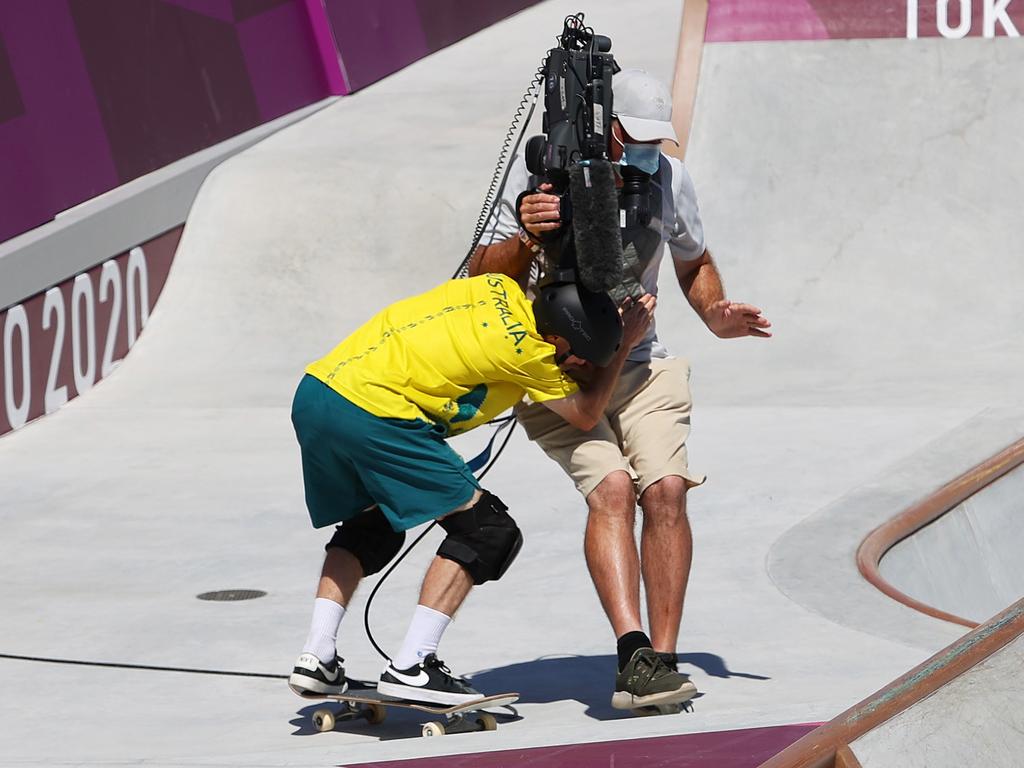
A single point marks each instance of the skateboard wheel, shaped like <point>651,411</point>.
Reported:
<point>375,714</point>
<point>487,721</point>
<point>323,720</point>
<point>433,729</point>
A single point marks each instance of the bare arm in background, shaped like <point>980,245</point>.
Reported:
<point>701,283</point>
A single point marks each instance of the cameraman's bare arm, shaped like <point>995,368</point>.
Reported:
<point>539,213</point>
<point>509,257</point>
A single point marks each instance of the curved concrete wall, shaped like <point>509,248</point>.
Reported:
<point>967,562</point>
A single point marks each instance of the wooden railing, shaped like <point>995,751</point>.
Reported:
<point>883,538</point>
<point>687,74</point>
<point>828,746</point>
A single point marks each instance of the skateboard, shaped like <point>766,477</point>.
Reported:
<point>366,703</point>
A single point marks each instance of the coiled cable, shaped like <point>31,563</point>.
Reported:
<point>499,178</point>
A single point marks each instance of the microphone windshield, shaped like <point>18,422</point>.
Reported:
<point>595,224</point>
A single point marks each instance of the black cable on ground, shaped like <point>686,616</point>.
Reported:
<point>146,667</point>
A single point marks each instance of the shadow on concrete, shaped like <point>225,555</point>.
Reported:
<point>587,679</point>
<point>714,666</point>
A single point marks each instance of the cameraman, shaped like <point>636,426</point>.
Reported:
<point>638,450</point>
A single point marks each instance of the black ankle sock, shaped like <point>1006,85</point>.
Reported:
<point>629,644</point>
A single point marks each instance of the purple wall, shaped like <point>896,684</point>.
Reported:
<point>94,93</point>
<point>378,38</point>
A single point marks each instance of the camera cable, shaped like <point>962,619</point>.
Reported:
<point>503,423</point>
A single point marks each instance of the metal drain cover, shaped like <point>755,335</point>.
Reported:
<point>229,595</point>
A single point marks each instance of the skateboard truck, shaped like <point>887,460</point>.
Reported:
<point>460,722</point>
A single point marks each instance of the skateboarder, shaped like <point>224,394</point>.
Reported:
<point>371,419</point>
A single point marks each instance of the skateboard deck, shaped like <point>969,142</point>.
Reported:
<point>367,703</point>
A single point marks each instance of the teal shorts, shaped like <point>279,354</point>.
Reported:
<point>352,460</point>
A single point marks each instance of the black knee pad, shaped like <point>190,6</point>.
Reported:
<point>483,539</point>
<point>370,537</point>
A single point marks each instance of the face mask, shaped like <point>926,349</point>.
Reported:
<point>643,157</point>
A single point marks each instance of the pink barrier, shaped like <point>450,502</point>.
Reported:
<point>744,748</point>
<point>751,20</point>
<point>327,50</point>
<point>736,20</point>
<point>93,95</point>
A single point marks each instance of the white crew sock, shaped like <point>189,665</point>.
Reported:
<point>323,630</point>
<point>422,638</point>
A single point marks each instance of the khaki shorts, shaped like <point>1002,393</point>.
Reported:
<point>643,430</point>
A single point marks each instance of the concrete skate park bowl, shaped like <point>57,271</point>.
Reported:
<point>861,186</point>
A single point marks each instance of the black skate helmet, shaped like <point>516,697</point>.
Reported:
<point>589,321</point>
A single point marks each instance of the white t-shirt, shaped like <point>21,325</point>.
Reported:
<point>675,225</point>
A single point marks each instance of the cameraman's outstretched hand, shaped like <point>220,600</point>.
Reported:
<point>637,316</point>
<point>731,320</point>
<point>539,212</point>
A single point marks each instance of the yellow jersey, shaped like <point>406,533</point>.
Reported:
<point>457,355</point>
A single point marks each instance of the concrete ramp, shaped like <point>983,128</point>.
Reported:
<point>976,719</point>
<point>961,707</point>
<point>862,192</point>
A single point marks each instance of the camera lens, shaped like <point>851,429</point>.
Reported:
<point>636,196</point>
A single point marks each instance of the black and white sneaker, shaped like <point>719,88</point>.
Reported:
<point>311,676</point>
<point>430,681</point>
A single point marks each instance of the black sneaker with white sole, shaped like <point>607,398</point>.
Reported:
<point>430,681</point>
<point>312,677</point>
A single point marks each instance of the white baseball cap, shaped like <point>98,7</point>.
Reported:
<point>643,105</point>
